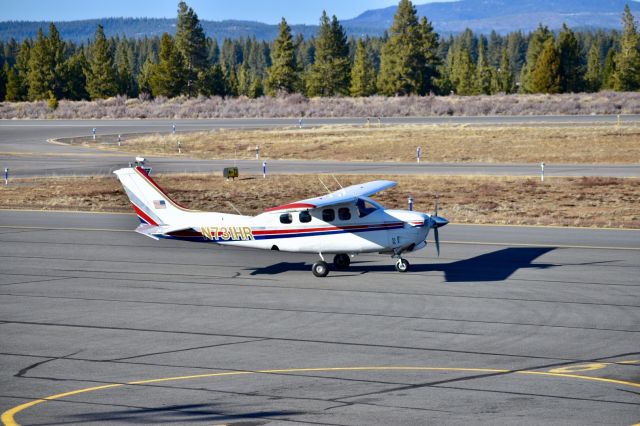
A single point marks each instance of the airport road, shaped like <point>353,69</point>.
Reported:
<point>511,325</point>
<point>24,148</point>
<point>101,165</point>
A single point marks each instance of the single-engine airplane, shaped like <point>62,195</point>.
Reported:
<point>343,223</point>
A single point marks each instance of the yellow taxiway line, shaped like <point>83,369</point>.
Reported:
<point>8,417</point>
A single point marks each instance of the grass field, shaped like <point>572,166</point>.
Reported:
<point>439,143</point>
<point>587,202</point>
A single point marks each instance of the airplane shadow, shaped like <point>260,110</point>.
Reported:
<point>495,266</point>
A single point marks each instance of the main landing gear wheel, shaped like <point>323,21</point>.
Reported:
<point>341,261</point>
<point>402,265</point>
<point>320,269</point>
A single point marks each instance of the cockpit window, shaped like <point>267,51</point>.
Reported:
<point>285,218</point>
<point>328,215</point>
<point>364,207</point>
<point>344,213</point>
<point>304,217</point>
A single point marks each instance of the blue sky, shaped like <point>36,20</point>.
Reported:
<point>268,11</point>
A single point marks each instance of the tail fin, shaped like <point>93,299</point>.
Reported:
<point>152,205</point>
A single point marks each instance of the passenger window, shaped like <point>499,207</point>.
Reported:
<point>328,215</point>
<point>344,213</point>
<point>304,217</point>
<point>285,218</point>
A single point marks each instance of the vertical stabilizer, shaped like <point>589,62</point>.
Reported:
<point>152,205</point>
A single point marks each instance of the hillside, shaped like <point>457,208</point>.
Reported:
<point>479,15</point>
<point>504,16</point>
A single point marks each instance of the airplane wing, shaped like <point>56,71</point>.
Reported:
<point>349,194</point>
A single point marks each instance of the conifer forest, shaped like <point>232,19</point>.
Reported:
<point>409,59</point>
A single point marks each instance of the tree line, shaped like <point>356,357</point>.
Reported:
<point>409,59</point>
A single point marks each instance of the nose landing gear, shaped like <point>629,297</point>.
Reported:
<point>402,265</point>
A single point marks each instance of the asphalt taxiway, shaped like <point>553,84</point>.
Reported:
<point>511,325</point>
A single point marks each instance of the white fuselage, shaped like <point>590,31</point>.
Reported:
<point>346,230</point>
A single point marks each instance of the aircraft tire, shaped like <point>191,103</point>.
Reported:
<point>402,265</point>
<point>341,261</point>
<point>320,269</point>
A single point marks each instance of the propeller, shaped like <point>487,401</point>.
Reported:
<point>436,222</point>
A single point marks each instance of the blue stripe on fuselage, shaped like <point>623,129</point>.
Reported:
<point>297,235</point>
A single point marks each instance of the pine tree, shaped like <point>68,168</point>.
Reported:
<point>627,75</point>
<point>609,73</point>
<point>20,81</point>
<point>213,55</point>
<point>144,77</point>
<point>56,50</point>
<point>244,79</point>
<point>363,73</point>
<point>545,76</point>
<point>231,78</point>
<point>256,89</point>
<point>13,84</point>
<point>11,50</point>
<point>167,77</point>
<point>305,52</point>
<point>517,51</point>
<point>191,43</point>
<point>536,45</point>
<point>213,82</point>
<point>124,70</point>
<point>100,74</point>
<point>494,49</point>
<point>41,77</point>
<point>282,74</point>
<point>330,74</point>
<point>571,69</point>
<point>75,86</point>
<point>231,54</point>
<point>429,46</point>
<point>593,77</point>
<point>505,78</point>
<point>462,72</point>
<point>3,80</point>
<point>403,62</point>
<point>484,73</point>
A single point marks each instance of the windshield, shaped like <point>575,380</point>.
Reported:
<point>366,206</point>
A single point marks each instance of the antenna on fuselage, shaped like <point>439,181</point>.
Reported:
<point>325,186</point>
<point>334,178</point>
<point>234,207</point>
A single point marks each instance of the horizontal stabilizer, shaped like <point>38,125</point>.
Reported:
<point>156,231</point>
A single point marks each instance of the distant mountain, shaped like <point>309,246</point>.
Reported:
<point>83,30</point>
<point>504,16</point>
<point>481,16</point>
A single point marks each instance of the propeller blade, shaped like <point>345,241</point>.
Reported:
<point>437,238</point>
<point>437,196</point>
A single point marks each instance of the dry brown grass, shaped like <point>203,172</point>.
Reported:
<point>295,105</point>
<point>439,143</point>
<point>602,202</point>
